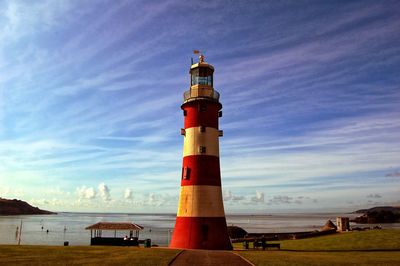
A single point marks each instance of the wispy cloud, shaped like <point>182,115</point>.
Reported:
<point>374,196</point>
<point>393,174</point>
<point>92,92</point>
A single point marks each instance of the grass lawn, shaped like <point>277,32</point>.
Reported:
<point>322,258</point>
<point>375,247</point>
<point>84,255</point>
<point>364,240</point>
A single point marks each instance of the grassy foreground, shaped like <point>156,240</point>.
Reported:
<point>365,240</point>
<point>376,247</point>
<point>322,258</point>
<point>84,255</point>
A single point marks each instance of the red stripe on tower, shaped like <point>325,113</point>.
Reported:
<point>200,221</point>
<point>195,117</point>
<point>201,170</point>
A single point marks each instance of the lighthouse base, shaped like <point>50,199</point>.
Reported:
<point>201,233</point>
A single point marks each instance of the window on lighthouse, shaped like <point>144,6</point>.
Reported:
<point>202,76</point>
<point>185,173</point>
<point>202,149</point>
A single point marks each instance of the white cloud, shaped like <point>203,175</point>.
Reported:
<point>128,194</point>
<point>23,19</point>
<point>160,200</point>
<point>374,196</point>
<point>393,174</point>
<point>86,193</point>
<point>228,196</point>
<point>152,199</point>
<point>104,191</point>
<point>281,200</point>
<point>284,199</point>
<point>56,124</point>
<point>259,197</point>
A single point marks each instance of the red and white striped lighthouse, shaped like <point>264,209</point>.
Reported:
<point>200,221</point>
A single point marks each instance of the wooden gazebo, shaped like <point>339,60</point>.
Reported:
<point>96,231</point>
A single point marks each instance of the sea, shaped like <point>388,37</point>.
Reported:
<point>70,227</point>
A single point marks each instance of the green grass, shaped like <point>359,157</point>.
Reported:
<point>84,255</point>
<point>375,247</point>
<point>281,258</point>
<point>365,240</point>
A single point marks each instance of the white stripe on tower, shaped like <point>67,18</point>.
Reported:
<point>201,201</point>
<point>195,139</point>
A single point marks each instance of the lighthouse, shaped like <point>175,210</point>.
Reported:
<point>200,220</point>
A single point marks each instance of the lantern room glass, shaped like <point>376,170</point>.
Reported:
<point>201,76</point>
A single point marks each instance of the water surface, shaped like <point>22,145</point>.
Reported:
<point>71,226</point>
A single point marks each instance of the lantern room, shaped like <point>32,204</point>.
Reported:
<point>201,82</point>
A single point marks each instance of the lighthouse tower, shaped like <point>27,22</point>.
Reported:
<point>200,221</point>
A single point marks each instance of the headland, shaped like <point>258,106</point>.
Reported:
<point>19,207</point>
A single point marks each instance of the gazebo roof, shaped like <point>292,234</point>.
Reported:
<point>114,226</point>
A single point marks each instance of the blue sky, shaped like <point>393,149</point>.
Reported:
<point>90,95</point>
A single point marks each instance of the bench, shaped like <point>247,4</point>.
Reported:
<point>273,245</point>
<point>264,245</point>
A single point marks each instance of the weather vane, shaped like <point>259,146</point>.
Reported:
<point>201,57</point>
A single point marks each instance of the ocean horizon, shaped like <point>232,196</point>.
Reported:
<point>70,226</point>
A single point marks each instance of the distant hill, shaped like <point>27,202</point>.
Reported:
<point>383,214</point>
<point>382,208</point>
<point>19,207</point>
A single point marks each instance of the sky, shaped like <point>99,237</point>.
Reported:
<point>90,95</point>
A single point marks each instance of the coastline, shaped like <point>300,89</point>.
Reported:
<point>157,227</point>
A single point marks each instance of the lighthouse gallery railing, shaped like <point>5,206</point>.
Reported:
<point>201,93</point>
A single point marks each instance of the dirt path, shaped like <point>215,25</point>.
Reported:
<point>208,257</point>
